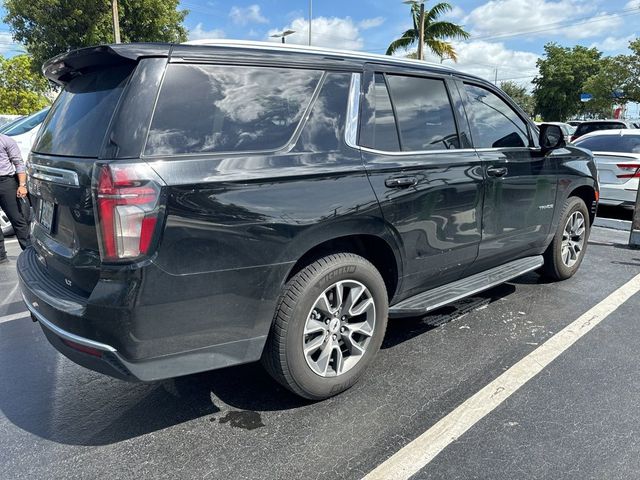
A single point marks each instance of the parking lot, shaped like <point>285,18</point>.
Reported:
<point>577,418</point>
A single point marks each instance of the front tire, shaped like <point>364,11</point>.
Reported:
<point>329,324</point>
<point>566,252</point>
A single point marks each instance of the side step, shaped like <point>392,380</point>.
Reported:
<point>438,297</point>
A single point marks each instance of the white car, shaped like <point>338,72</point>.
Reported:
<point>24,132</point>
<point>617,155</point>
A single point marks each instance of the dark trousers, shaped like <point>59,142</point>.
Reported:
<point>9,204</point>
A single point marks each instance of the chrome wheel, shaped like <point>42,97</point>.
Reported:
<point>338,328</point>
<point>573,238</point>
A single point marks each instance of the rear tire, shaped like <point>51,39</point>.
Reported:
<point>329,324</point>
<point>566,252</point>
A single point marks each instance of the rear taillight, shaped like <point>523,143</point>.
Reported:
<point>127,201</point>
<point>632,170</point>
<point>573,138</point>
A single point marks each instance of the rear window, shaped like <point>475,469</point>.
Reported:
<point>612,143</point>
<point>79,118</point>
<point>585,128</point>
<point>216,108</point>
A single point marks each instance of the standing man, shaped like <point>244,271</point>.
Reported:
<point>12,189</point>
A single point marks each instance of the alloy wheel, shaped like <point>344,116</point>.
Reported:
<point>573,238</point>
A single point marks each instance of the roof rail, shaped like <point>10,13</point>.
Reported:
<point>374,57</point>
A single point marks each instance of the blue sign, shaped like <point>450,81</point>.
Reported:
<point>585,97</point>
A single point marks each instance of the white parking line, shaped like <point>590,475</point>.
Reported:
<point>14,316</point>
<point>418,453</point>
<point>13,240</point>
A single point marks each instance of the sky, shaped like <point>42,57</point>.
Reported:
<point>507,36</point>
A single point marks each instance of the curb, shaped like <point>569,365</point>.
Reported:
<point>624,225</point>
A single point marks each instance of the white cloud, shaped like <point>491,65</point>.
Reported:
<point>371,22</point>
<point>500,17</point>
<point>250,14</point>
<point>199,33</point>
<point>484,58</point>
<point>614,44</point>
<point>341,33</point>
<point>456,12</point>
<point>632,4</point>
<point>8,46</point>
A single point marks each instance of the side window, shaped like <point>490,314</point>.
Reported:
<point>385,133</point>
<point>424,113</point>
<point>216,108</point>
<point>494,124</point>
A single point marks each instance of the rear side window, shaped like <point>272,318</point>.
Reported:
<point>215,108</point>
<point>612,143</point>
<point>424,113</point>
<point>585,128</point>
<point>79,118</point>
<point>494,124</point>
<point>385,133</point>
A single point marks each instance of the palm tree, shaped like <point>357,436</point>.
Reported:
<point>435,31</point>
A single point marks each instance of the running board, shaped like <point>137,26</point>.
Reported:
<point>438,297</point>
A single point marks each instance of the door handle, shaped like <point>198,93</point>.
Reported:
<point>400,182</point>
<point>497,171</point>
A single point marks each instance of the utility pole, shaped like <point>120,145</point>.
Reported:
<point>116,21</point>
<point>634,238</point>
<point>310,18</point>
<point>495,78</point>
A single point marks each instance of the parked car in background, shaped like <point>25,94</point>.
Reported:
<point>24,131</point>
<point>5,224</point>
<point>574,123</point>
<point>617,156</point>
<point>596,125</point>
<point>201,206</point>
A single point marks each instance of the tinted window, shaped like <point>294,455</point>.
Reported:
<point>384,131</point>
<point>585,128</point>
<point>612,143</point>
<point>26,124</point>
<point>215,108</point>
<point>494,124</point>
<point>79,118</point>
<point>425,115</point>
<point>324,130</point>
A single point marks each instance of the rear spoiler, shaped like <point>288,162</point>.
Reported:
<point>62,68</point>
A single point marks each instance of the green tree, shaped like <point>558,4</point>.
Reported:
<point>21,90</point>
<point>520,95</point>
<point>50,27</point>
<point>435,32</point>
<point>561,78</point>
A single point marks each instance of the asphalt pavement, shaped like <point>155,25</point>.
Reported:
<point>575,419</point>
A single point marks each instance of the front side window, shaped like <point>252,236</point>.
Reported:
<point>494,124</point>
<point>424,113</point>
<point>216,108</point>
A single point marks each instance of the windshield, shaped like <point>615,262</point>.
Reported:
<point>27,123</point>
<point>612,143</point>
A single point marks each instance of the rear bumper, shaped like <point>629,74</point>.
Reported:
<point>623,195</point>
<point>106,336</point>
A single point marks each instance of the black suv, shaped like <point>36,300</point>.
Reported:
<point>200,206</point>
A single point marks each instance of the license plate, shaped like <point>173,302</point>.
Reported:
<point>45,214</point>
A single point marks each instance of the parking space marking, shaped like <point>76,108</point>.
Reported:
<point>11,241</point>
<point>417,454</point>
<point>14,316</point>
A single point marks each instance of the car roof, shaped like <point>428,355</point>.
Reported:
<point>587,122</point>
<point>60,69</point>
<point>619,132</point>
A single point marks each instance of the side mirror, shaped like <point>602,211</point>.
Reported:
<point>551,137</point>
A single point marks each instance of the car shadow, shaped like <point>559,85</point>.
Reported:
<point>47,395</point>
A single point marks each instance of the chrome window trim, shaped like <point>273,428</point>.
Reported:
<point>353,112</point>
<point>54,175</point>
<point>418,152</point>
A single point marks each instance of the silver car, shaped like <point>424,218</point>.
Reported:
<point>617,155</point>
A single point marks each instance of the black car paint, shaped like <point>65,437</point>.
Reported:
<point>235,225</point>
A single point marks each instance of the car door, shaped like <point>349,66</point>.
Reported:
<point>428,180</point>
<point>521,182</point>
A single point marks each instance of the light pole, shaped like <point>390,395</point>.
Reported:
<point>116,21</point>
<point>420,26</point>
<point>310,18</point>
<point>281,35</point>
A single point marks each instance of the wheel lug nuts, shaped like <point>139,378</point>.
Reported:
<point>335,336</point>
<point>327,321</point>
<point>344,317</point>
<point>341,329</point>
